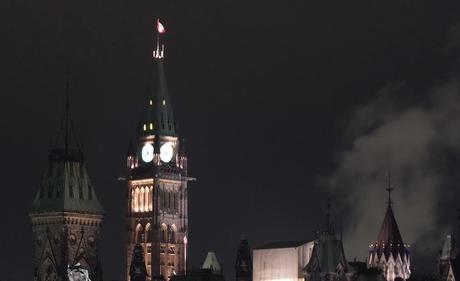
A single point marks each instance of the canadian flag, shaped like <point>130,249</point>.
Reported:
<point>160,27</point>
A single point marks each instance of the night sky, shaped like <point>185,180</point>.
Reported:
<point>282,103</point>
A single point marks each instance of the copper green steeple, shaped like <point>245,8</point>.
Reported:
<point>65,185</point>
<point>160,117</point>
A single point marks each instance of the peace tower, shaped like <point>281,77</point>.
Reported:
<point>156,206</point>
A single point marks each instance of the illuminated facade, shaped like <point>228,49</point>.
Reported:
<point>388,252</point>
<point>66,215</point>
<point>281,261</point>
<point>156,206</point>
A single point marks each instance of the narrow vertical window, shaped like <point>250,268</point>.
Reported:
<point>80,191</point>
<point>133,201</point>
<point>141,199</point>
<point>138,233</point>
<point>151,199</point>
<point>146,199</point>
<point>136,192</point>
<point>90,192</point>
<point>42,191</point>
<point>148,233</point>
<point>70,189</point>
<point>50,191</point>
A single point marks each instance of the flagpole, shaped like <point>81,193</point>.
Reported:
<point>158,37</point>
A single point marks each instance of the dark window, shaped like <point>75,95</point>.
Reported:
<point>139,235</point>
<point>148,234</point>
<point>90,192</point>
<point>70,190</point>
<point>172,235</point>
<point>42,191</point>
<point>80,191</point>
<point>163,199</point>
<point>164,234</point>
<point>50,191</point>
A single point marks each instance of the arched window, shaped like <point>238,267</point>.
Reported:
<point>148,233</point>
<point>136,200</point>
<point>151,198</point>
<point>141,200</point>
<point>138,233</point>
<point>147,199</point>
<point>133,200</point>
<point>172,234</point>
<point>164,233</point>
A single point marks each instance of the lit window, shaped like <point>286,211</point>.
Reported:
<point>151,102</point>
<point>164,102</point>
<point>145,127</point>
<point>151,126</point>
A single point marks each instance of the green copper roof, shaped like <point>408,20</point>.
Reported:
<point>328,255</point>
<point>159,117</point>
<point>66,187</point>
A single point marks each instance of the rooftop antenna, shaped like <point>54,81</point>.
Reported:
<point>389,189</point>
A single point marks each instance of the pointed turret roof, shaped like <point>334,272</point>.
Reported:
<point>389,240</point>
<point>160,116</point>
<point>65,185</point>
<point>211,263</point>
<point>389,231</point>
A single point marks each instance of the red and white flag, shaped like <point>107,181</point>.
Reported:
<point>160,27</point>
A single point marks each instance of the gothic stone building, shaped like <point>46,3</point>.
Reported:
<point>66,215</point>
<point>156,192</point>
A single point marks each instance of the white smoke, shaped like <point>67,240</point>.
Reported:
<point>419,142</point>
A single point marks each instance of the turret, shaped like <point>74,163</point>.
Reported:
<point>388,252</point>
<point>66,215</point>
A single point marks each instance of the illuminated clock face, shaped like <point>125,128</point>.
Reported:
<point>166,152</point>
<point>147,152</point>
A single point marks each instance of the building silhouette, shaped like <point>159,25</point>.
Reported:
<point>243,263</point>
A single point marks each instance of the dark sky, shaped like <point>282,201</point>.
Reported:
<point>273,97</point>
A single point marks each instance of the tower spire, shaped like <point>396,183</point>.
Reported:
<point>389,189</point>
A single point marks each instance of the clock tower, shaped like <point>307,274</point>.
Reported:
<point>156,191</point>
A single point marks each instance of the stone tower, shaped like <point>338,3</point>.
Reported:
<point>66,215</point>
<point>156,206</point>
<point>388,252</point>
<point>243,264</point>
